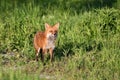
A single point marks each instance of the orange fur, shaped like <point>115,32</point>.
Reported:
<point>46,41</point>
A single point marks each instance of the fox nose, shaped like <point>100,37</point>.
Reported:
<point>55,35</point>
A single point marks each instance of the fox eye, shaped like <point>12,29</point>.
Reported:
<point>51,31</point>
<point>55,31</point>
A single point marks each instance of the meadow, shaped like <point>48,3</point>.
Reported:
<point>87,47</point>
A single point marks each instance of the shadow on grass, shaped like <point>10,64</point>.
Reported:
<point>68,49</point>
<point>77,5</point>
<point>64,51</point>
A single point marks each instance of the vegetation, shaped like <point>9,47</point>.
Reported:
<point>88,44</point>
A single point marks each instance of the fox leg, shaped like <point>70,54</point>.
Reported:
<point>42,54</point>
<point>37,53</point>
<point>51,54</point>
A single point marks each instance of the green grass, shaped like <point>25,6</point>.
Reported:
<point>87,48</point>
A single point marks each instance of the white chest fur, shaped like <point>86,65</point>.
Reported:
<point>50,44</point>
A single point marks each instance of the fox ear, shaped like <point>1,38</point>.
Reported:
<point>57,25</point>
<point>46,25</point>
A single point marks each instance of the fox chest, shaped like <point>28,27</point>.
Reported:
<point>50,44</point>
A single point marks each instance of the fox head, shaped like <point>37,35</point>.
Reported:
<point>51,31</point>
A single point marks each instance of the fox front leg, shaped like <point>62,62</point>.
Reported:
<point>51,54</point>
<point>37,54</point>
<point>44,51</point>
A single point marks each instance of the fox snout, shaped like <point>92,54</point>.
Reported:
<point>55,35</point>
<point>52,36</point>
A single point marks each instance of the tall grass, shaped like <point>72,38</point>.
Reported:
<point>87,46</point>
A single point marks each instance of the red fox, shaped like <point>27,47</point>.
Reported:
<point>44,41</point>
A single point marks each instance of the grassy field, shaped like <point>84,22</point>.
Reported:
<point>87,47</point>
